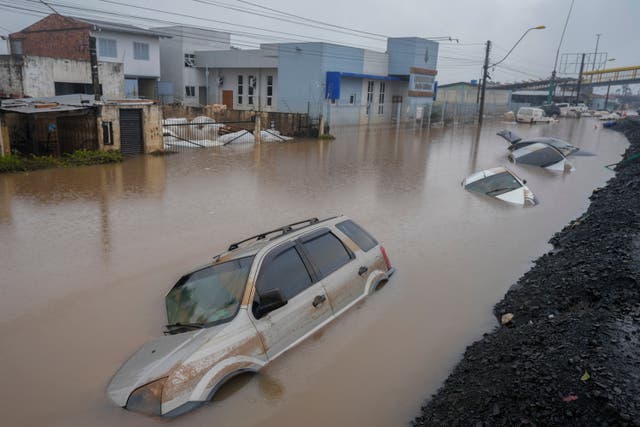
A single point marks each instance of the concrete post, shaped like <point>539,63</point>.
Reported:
<point>5,148</point>
<point>322,125</point>
<point>257,128</point>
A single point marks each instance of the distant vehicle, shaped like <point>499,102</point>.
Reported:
<point>551,110</point>
<point>517,142</point>
<point>531,115</point>
<point>579,107</point>
<point>502,184</point>
<point>605,115</point>
<point>564,108</point>
<point>542,155</point>
<point>254,302</point>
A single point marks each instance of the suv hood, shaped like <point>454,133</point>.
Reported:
<point>154,360</point>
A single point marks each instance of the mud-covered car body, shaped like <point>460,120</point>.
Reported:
<point>517,142</point>
<point>254,302</point>
<point>501,183</point>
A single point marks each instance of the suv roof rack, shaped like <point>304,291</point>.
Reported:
<point>282,230</point>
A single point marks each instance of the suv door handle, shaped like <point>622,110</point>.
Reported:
<point>319,299</point>
<point>362,270</point>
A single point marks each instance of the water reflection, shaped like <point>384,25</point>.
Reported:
<point>88,254</point>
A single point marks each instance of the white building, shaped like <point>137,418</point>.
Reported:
<point>63,40</point>
<point>136,48</point>
<point>180,80</point>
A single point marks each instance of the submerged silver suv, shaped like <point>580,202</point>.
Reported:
<point>263,296</point>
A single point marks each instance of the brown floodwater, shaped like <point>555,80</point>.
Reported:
<point>87,255</point>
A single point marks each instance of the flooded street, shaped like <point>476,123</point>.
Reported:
<point>88,255</point>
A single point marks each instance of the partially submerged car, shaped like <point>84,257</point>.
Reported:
<point>532,115</point>
<point>542,155</point>
<point>517,142</point>
<point>255,301</point>
<point>502,184</point>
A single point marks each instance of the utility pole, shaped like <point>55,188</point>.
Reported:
<point>595,55</point>
<point>485,75</point>
<point>606,99</point>
<point>93,57</point>
<point>580,80</point>
<point>552,82</point>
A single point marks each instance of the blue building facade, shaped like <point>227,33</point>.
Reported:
<point>347,85</point>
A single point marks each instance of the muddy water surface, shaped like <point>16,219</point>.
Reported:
<point>87,255</point>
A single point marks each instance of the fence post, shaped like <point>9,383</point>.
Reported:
<point>5,147</point>
<point>257,128</point>
<point>444,111</point>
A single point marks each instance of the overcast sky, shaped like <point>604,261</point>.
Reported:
<point>471,21</point>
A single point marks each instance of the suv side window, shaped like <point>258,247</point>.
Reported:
<point>287,272</point>
<point>357,234</point>
<point>327,253</point>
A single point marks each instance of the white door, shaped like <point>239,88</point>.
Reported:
<point>307,305</point>
<point>338,268</point>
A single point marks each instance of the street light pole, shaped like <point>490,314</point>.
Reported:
<point>552,82</point>
<point>485,73</point>
<point>595,55</point>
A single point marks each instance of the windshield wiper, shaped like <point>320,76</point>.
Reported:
<point>185,325</point>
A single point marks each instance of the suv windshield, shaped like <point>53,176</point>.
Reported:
<point>495,185</point>
<point>210,295</point>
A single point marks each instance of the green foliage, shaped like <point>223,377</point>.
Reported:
<point>88,157</point>
<point>17,163</point>
<point>327,136</point>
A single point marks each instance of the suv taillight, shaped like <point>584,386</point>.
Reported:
<point>386,257</point>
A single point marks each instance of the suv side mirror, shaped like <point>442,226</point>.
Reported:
<point>269,301</point>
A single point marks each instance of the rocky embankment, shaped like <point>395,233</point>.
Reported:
<point>570,355</point>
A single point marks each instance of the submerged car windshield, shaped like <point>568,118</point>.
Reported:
<point>495,185</point>
<point>210,295</point>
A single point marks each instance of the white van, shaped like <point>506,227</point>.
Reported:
<point>564,108</point>
<point>531,115</point>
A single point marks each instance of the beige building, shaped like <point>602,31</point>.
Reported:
<point>467,93</point>
<point>63,124</point>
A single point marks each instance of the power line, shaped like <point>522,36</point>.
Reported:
<point>291,50</point>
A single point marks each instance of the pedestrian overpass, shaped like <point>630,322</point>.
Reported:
<point>613,76</point>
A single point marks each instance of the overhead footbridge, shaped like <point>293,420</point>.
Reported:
<point>617,76</point>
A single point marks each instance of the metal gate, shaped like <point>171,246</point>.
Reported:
<point>77,133</point>
<point>131,131</point>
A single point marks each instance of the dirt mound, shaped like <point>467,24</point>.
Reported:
<point>570,355</point>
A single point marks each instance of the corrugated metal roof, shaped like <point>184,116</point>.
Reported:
<point>61,103</point>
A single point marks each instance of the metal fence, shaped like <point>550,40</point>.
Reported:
<point>52,134</point>
<point>204,132</point>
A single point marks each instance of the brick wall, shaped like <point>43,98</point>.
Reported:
<point>56,36</point>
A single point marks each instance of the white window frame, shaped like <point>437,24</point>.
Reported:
<point>251,81</point>
<point>269,91</point>
<point>141,51</point>
<point>240,82</point>
<point>383,86</point>
<point>107,48</point>
<point>189,60</point>
<point>370,89</point>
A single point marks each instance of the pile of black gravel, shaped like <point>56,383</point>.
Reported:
<point>571,354</point>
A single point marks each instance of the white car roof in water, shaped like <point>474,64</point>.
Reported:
<point>477,176</point>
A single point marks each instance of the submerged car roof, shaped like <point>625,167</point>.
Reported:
<point>477,176</point>
<point>252,245</point>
